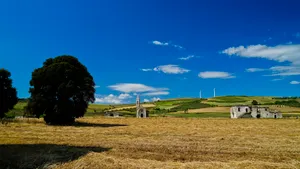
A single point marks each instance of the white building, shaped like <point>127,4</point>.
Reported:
<point>253,112</point>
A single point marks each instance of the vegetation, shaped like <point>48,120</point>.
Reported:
<point>168,104</point>
<point>254,102</point>
<point>60,90</point>
<point>196,104</point>
<point>8,94</point>
<point>284,98</point>
<point>153,143</point>
<point>243,100</point>
<point>292,103</point>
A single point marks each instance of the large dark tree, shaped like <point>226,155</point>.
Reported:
<point>8,94</point>
<point>61,90</point>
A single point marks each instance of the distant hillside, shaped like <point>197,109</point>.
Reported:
<point>212,107</point>
<point>246,100</point>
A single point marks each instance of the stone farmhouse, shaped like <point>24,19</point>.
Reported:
<point>253,112</point>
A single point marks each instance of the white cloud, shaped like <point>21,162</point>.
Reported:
<point>124,96</point>
<point>135,87</point>
<point>146,100</point>
<point>186,58</point>
<point>285,70</point>
<point>274,80</point>
<point>171,69</point>
<point>155,99</point>
<point>155,42</point>
<point>112,99</point>
<point>96,87</point>
<point>279,53</point>
<point>182,78</point>
<point>160,43</point>
<point>215,74</point>
<point>295,82</point>
<point>254,70</point>
<point>146,70</point>
<point>178,46</point>
<point>158,93</point>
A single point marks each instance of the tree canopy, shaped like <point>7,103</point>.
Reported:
<point>8,94</point>
<point>254,102</point>
<point>60,90</point>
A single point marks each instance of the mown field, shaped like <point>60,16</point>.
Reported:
<point>98,142</point>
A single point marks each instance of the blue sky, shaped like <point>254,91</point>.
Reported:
<point>160,49</point>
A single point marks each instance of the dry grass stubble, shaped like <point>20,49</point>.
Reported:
<point>167,142</point>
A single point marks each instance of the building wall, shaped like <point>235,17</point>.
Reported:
<point>254,112</point>
<point>239,111</point>
<point>141,112</point>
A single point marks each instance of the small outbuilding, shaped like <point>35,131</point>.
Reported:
<point>112,114</point>
<point>141,111</point>
<point>253,112</point>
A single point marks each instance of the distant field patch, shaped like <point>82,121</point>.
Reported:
<point>210,109</point>
<point>201,115</point>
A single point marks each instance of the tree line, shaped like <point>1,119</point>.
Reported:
<point>60,91</point>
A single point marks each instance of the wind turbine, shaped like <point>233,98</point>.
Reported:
<point>200,94</point>
<point>214,92</point>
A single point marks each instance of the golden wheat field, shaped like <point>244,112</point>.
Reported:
<point>152,143</point>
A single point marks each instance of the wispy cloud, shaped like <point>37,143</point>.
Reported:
<point>274,80</point>
<point>254,70</point>
<point>297,34</point>
<point>285,70</point>
<point>96,87</point>
<point>154,99</point>
<point>215,74</point>
<point>113,99</point>
<point>146,70</point>
<point>171,69</point>
<point>135,87</point>
<point>186,58</point>
<point>159,43</point>
<point>158,93</point>
<point>182,78</point>
<point>155,42</point>
<point>279,53</point>
<point>295,82</point>
<point>168,69</point>
<point>178,46</point>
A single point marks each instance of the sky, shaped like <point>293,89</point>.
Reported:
<point>158,49</point>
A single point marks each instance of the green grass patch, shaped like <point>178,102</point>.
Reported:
<point>190,105</point>
<point>293,115</point>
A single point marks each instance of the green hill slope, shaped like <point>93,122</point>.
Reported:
<point>177,107</point>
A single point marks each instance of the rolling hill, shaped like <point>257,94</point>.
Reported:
<point>184,107</point>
